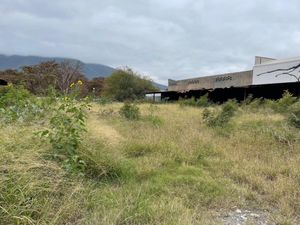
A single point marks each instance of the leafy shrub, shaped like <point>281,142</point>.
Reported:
<point>125,84</point>
<point>208,116</point>
<point>154,119</point>
<point>11,96</point>
<point>203,101</point>
<point>187,101</point>
<point>228,110</point>
<point>253,104</point>
<point>66,128</point>
<point>248,100</point>
<point>16,103</point>
<point>270,104</point>
<point>294,115</point>
<point>223,117</point>
<point>281,105</point>
<point>286,101</point>
<point>130,111</point>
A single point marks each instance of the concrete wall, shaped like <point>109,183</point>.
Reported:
<point>261,60</point>
<point>265,71</point>
<point>238,79</point>
<point>277,71</point>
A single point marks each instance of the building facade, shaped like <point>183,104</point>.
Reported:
<point>269,78</point>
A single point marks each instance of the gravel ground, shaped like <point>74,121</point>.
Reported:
<point>245,217</point>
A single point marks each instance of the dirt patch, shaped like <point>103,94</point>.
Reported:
<point>245,217</point>
<point>98,129</point>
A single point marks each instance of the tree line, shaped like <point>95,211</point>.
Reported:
<point>123,84</point>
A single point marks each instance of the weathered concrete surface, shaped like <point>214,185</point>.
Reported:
<point>238,79</point>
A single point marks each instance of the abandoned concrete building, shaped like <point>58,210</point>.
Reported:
<point>269,78</point>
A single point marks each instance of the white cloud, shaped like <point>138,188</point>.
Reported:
<point>164,39</point>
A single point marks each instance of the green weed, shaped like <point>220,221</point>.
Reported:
<point>222,118</point>
<point>65,134</point>
<point>17,104</point>
<point>294,115</point>
<point>130,111</point>
<point>153,117</point>
<point>203,101</point>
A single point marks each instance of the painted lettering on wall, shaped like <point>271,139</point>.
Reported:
<point>226,78</point>
<point>193,81</point>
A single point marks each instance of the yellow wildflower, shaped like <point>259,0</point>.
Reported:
<point>66,98</point>
<point>72,85</point>
<point>79,82</point>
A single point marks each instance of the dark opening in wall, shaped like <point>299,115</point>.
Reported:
<point>268,91</point>
<point>3,82</point>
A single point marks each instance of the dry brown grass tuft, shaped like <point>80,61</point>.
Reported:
<point>174,171</point>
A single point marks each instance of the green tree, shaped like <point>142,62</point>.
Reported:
<point>125,84</point>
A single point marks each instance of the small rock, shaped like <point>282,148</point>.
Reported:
<point>255,215</point>
<point>243,217</point>
<point>238,211</point>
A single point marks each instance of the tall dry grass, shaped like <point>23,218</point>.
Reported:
<point>168,167</point>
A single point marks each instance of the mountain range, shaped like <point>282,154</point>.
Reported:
<point>90,70</point>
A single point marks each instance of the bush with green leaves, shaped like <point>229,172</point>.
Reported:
<point>280,106</point>
<point>223,117</point>
<point>248,100</point>
<point>152,117</point>
<point>126,85</point>
<point>285,102</point>
<point>13,95</point>
<point>187,101</point>
<point>18,104</point>
<point>253,104</point>
<point>67,125</point>
<point>203,101</point>
<point>130,111</point>
<point>294,115</point>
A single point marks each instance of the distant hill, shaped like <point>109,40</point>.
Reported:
<point>90,70</point>
<point>160,86</point>
<point>16,62</point>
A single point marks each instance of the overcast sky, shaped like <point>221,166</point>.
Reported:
<point>160,38</point>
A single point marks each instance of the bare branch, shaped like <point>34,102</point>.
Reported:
<point>70,71</point>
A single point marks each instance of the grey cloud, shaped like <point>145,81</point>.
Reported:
<point>163,39</point>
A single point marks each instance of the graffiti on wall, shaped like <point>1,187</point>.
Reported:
<point>293,71</point>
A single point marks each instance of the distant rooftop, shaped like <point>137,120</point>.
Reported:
<point>277,61</point>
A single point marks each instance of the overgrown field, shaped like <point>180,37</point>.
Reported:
<point>162,164</point>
